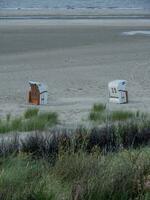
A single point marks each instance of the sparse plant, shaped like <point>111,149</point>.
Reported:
<point>98,107</point>
<point>16,124</point>
<point>121,115</point>
<point>31,112</point>
<point>32,121</point>
<point>97,112</point>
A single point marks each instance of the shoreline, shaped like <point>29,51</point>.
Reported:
<point>114,13</point>
<point>109,22</point>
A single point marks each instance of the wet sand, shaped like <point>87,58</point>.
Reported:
<point>82,13</point>
<point>76,59</point>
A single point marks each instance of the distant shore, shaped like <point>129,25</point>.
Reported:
<point>73,13</point>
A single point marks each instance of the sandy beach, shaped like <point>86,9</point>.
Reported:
<point>76,59</point>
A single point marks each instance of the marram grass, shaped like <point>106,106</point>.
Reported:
<point>31,112</point>
<point>100,114</point>
<point>81,176</point>
<point>30,121</point>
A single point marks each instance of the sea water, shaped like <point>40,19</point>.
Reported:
<point>74,4</point>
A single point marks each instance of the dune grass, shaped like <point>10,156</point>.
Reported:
<point>121,115</point>
<point>101,163</point>
<point>100,114</point>
<point>95,164</point>
<point>31,112</point>
<point>30,121</point>
<point>123,175</point>
<point>115,176</point>
<point>98,107</point>
<point>40,121</point>
<point>27,179</point>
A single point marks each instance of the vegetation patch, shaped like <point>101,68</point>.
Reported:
<point>100,114</point>
<point>123,175</point>
<point>99,107</point>
<point>111,162</point>
<point>30,121</point>
<point>31,112</point>
<point>121,115</point>
<point>24,178</point>
<point>40,122</point>
<point>100,163</point>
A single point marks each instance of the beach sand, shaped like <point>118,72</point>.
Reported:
<point>76,59</point>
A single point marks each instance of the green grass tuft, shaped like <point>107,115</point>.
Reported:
<point>32,120</point>
<point>100,114</point>
<point>16,124</point>
<point>50,117</point>
<point>31,112</point>
<point>97,117</point>
<point>41,121</point>
<point>98,107</point>
<point>24,178</point>
<point>97,112</point>
<point>121,115</point>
